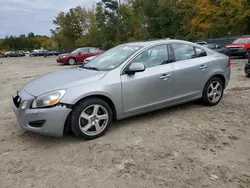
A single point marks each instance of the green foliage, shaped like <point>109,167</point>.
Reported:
<point>29,42</point>
<point>71,26</point>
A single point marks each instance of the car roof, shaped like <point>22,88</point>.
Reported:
<point>211,44</point>
<point>245,36</point>
<point>155,42</point>
<point>86,47</point>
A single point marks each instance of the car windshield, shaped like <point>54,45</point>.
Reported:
<point>113,57</point>
<point>242,40</point>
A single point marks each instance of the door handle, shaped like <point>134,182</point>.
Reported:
<point>165,76</point>
<point>202,67</point>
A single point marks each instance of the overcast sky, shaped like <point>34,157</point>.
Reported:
<point>24,16</point>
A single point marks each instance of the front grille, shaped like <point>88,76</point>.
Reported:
<point>234,48</point>
<point>17,101</point>
<point>37,124</point>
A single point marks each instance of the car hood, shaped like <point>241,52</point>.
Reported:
<point>238,44</point>
<point>62,79</point>
<point>63,55</point>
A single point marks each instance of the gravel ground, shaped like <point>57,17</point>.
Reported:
<point>185,146</point>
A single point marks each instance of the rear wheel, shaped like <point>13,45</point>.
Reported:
<point>213,91</point>
<point>248,75</point>
<point>71,61</point>
<point>91,118</point>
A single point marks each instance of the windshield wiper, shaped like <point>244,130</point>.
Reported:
<point>91,68</point>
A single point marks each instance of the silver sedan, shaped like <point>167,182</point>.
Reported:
<point>127,80</point>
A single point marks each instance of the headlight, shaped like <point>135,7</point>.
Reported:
<point>24,105</point>
<point>48,99</point>
<point>63,56</point>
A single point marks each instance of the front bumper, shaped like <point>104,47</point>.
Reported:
<point>53,118</point>
<point>236,52</point>
<point>61,60</point>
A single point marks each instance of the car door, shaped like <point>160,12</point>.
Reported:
<point>82,55</point>
<point>190,66</point>
<point>153,87</point>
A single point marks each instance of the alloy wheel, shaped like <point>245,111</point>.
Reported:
<point>72,61</point>
<point>93,120</point>
<point>214,92</point>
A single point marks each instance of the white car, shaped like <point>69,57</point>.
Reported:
<point>88,59</point>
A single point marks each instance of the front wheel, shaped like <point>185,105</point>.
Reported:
<point>91,118</point>
<point>213,91</point>
<point>71,61</point>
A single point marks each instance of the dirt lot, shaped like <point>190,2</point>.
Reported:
<point>185,146</point>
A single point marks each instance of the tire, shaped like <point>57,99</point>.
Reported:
<point>71,61</point>
<point>247,54</point>
<point>248,75</point>
<point>212,97</point>
<point>87,128</point>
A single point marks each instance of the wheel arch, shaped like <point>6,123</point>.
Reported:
<point>71,57</point>
<point>221,76</point>
<point>100,96</point>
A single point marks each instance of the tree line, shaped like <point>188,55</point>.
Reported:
<point>29,42</point>
<point>111,22</point>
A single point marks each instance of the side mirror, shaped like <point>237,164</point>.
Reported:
<point>79,53</point>
<point>135,67</point>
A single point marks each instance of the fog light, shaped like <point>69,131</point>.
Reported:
<point>24,105</point>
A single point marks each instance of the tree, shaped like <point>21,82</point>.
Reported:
<point>71,26</point>
<point>208,18</point>
<point>117,21</point>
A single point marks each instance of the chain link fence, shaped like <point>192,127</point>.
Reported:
<point>222,40</point>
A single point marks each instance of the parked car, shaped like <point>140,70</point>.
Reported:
<point>12,54</point>
<point>247,68</point>
<point>88,59</point>
<point>240,47</point>
<point>201,43</point>
<point>21,53</point>
<point>51,53</point>
<point>127,80</point>
<point>6,54</point>
<point>78,55</point>
<point>218,48</point>
<point>40,52</point>
<point>34,53</point>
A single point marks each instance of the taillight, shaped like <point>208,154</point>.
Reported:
<point>229,62</point>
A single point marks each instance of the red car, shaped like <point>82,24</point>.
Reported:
<point>78,55</point>
<point>240,47</point>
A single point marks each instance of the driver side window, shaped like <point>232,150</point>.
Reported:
<point>154,56</point>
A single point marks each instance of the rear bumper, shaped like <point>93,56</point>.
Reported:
<point>227,76</point>
<point>53,119</point>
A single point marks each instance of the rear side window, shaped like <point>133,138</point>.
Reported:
<point>183,52</point>
<point>93,50</point>
<point>84,50</point>
<point>200,52</point>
